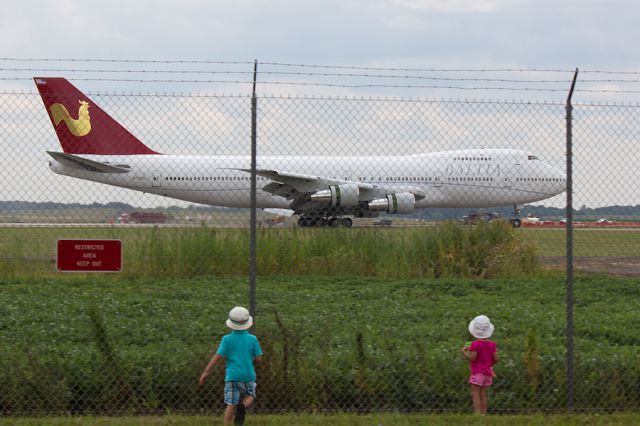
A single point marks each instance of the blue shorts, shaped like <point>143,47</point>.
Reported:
<point>235,391</point>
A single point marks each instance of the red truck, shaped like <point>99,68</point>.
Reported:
<point>142,217</point>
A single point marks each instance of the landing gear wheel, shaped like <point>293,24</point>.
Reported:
<point>516,222</point>
<point>346,222</point>
<point>304,221</point>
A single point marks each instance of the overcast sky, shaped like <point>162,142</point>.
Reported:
<point>425,33</point>
<point>467,34</point>
<point>417,34</point>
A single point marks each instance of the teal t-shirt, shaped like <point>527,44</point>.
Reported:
<point>240,349</point>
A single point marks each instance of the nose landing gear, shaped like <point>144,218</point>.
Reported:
<point>515,221</point>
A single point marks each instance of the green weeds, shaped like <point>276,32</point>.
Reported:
<point>86,346</point>
<point>447,250</point>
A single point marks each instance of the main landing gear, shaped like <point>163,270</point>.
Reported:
<point>515,221</point>
<point>317,221</point>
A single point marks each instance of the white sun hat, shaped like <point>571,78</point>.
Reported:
<point>480,327</point>
<point>239,319</point>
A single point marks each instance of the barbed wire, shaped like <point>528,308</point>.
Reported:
<point>409,69</point>
<point>281,64</point>
<point>337,85</point>
<point>302,74</point>
<point>314,74</point>
<point>297,65</point>
<point>335,76</point>
<point>132,61</point>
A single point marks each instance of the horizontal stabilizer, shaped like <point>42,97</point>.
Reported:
<point>86,164</point>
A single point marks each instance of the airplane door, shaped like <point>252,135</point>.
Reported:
<point>156,180</point>
<point>514,170</point>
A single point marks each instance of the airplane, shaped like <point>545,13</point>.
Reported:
<point>321,190</point>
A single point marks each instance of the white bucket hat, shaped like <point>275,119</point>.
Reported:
<point>480,327</point>
<point>239,319</point>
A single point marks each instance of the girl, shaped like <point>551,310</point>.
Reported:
<point>482,355</point>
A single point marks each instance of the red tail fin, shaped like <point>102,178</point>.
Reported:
<point>93,131</point>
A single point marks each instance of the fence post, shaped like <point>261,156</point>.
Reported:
<point>569,227</point>
<point>252,238</point>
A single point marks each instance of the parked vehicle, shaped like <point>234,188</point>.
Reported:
<point>142,217</point>
<point>531,219</point>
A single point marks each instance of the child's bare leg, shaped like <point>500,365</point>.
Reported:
<point>476,398</point>
<point>248,400</point>
<point>484,401</point>
<point>228,414</point>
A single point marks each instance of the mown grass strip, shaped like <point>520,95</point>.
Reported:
<point>618,419</point>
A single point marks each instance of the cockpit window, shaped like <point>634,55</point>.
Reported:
<point>533,157</point>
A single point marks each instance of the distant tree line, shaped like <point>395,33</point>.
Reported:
<point>12,206</point>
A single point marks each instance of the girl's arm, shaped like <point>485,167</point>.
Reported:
<point>496,357</point>
<point>470,355</point>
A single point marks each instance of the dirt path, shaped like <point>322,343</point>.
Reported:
<point>628,266</point>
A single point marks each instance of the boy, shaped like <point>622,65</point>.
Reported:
<point>241,351</point>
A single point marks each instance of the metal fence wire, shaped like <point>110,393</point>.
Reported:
<point>366,317</point>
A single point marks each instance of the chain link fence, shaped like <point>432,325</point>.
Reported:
<point>366,318</point>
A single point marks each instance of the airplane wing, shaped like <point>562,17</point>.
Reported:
<point>305,191</point>
<point>296,185</point>
<point>89,165</point>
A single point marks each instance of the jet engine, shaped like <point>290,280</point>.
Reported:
<point>338,195</point>
<point>403,202</point>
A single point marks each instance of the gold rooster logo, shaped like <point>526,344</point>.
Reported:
<point>78,127</point>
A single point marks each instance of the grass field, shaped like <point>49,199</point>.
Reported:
<point>345,420</point>
<point>333,343</point>
<point>351,320</point>
<point>587,242</point>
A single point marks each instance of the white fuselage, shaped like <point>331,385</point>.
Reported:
<point>465,178</point>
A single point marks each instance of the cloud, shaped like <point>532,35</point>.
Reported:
<point>450,6</point>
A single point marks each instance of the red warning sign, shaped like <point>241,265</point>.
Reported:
<point>89,255</point>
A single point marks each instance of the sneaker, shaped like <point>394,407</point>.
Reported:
<point>241,411</point>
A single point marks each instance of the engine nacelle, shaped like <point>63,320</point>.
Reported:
<point>338,195</point>
<point>403,202</point>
